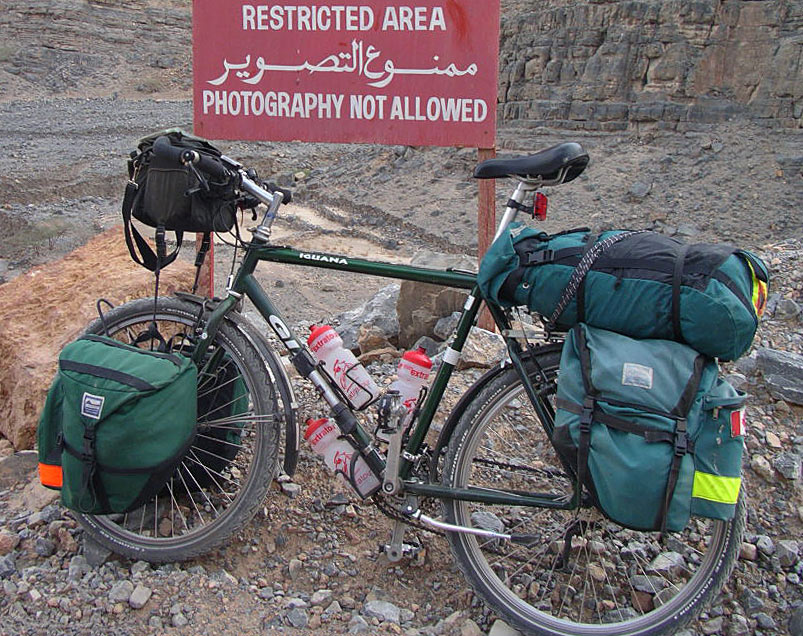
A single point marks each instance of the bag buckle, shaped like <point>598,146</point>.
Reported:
<point>540,257</point>
<point>587,415</point>
<point>681,439</point>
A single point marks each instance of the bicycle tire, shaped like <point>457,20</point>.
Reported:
<point>194,518</point>
<point>536,596</point>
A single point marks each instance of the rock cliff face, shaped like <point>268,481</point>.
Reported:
<point>610,64</point>
<point>601,65</point>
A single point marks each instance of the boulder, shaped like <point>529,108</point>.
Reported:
<point>421,305</point>
<point>783,373</point>
<point>378,311</point>
<point>49,306</point>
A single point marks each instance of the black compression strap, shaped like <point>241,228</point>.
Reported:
<point>109,374</point>
<point>677,280</point>
<point>520,206</point>
<point>689,394</point>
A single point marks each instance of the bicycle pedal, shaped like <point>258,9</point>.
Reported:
<point>408,551</point>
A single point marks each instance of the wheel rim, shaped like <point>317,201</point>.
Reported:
<point>220,467</point>
<point>615,581</point>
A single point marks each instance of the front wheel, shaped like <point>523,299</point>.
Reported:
<point>581,573</point>
<point>226,473</point>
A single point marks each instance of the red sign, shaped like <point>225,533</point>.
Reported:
<point>373,72</point>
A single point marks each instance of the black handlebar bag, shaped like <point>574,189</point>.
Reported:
<point>169,196</point>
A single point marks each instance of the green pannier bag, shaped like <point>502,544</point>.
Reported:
<point>117,422</point>
<point>649,428</point>
<point>641,284</point>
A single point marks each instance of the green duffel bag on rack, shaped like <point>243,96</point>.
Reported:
<point>649,428</point>
<point>641,284</point>
<point>117,422</point>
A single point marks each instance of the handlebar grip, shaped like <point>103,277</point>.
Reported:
<point>287,195</point>
<point>164,149</point>
<point>211,167</point>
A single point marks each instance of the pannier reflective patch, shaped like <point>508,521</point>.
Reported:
<point>738,425</point>
<point>759,292</point>
<point>716,488</point>
<point>50,475</point>
<point>92,405</point>
<point>636,375</point>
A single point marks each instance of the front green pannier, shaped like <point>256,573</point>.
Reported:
<point>122,418</point>
<point>641,284</point>
<point>646,425</point>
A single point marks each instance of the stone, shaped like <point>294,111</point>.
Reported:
<point>650,584</point>
<point>421,305</point>
<point>470,628</point>
<point>667,562</point>
<point>383,610</point>
<point>139,597</point>
<point>298,617</point>
<point>738,625</point>
<point>35,496</point>
<point>773,441</point>
<point>765,545</point>
<point>783,373</point>
<point>8,541</point>
<point>787,309</point>
<point>445,326</point>
<point>482,350</point>
<point>16,468</point>
<point>789,465</point>
<point>787,552</point>
<point>639,191</point>
<point>750,601</point>
<point>290,489</point>
<point>486,520</point>
<point>358,625</point>
<point>370,337</point>
<point>761,467</point>
<point>31,340</point>
<point>765,621</point>
<point>501,628</point>
<point>96,554</point>
<point>713,626</point>
<point>748,552</point>
<point>77,568</point>
<point>44,547</point>
<point>321,597</point>
<point>8,566</point>
<point>378,311</point>
<point>795,625</point>
<point>179,620</point>
<point>121,591</point>
<point>294,568</point>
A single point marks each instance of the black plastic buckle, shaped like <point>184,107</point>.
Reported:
<point>540,257</point>
<point>681,439</point>
<point>587,415</point>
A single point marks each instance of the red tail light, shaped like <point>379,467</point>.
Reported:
<point>539,206</point>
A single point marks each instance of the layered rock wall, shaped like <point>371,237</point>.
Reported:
<point>611,64</point>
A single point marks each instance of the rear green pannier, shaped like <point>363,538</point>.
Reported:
<point>641,284</point>
<point>649,428</point>
<point>118,421</point>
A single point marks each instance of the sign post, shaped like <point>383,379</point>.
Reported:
<point>370,72</point>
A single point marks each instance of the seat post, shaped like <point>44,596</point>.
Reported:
<point>521,191</point>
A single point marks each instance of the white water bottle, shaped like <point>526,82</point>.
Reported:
<point>340,363</point>
<point>340,456</point>
<point>413,372</point>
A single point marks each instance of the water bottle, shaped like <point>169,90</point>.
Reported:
<point>340,363</point>
<point>413,374</point>
<point>340,456</point>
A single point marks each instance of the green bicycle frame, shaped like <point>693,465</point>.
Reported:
<point>244,283</point>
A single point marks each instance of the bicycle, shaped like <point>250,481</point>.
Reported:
<point>521,531</point>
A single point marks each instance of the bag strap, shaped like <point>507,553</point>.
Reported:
<point>142,254</point>
<point>579,274</point>
<point>581,288</point>
<point>677,279</point>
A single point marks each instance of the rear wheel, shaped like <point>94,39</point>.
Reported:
<point>582,574</point>
<point>226,474</point>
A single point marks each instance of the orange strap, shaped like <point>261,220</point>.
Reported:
<point>50,476</point>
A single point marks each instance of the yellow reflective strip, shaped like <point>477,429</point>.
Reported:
<point>759,292</point>
<point>716,488</point>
